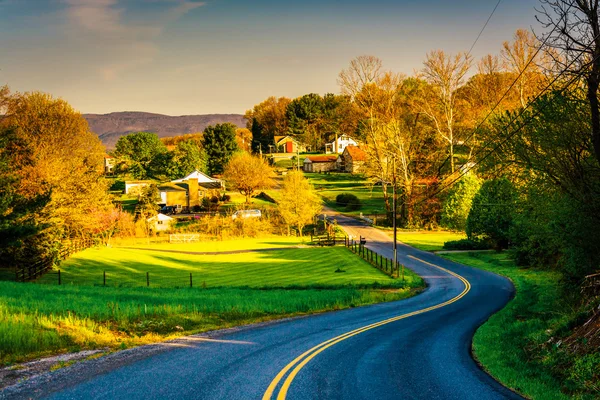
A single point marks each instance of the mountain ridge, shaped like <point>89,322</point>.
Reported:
<point>111,126</point>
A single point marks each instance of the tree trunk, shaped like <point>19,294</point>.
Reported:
<point>592,94</point>
<point>452,156</point>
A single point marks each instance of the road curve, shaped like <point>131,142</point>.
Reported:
<point>418,348</point>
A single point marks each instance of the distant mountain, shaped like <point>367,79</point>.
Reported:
<point>110,127</point>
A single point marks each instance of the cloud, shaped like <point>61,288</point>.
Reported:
<point>125,44</point>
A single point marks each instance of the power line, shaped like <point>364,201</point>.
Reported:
<point>512,134</point>
<point>484,26</point>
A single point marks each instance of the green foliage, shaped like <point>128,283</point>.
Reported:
<point>140,154</point>
<point>491,212</point>
<point>520,345</point>
<point>466,244</point>
<point>349,201</point>
<point>186,158</point>
<point>457,205</point>
<point>147,206</point>
<point>220,144</point>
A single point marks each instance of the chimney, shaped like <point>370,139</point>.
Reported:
<point>193,199</point>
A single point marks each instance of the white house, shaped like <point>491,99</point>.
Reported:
<point>160,223</point>
<point>343,141</point>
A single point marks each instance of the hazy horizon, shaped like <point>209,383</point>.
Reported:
<point>183,57</point>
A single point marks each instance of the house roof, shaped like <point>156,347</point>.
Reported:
<point>356,153</point>
<point>137,182</point>
<point>160,217</point>
<point>320,159</point>
<point>202,177</point>
<point>283,139</point>
<point>184,187</point>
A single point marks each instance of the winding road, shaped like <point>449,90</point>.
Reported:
<point>418,348</point>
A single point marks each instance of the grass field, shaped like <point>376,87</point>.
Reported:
<point>330,185</point>
<point>308,267</point>
<point>42,319</point>
<point>427,240</point>
<point>513,344</point>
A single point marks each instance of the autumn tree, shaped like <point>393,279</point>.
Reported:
<point>519,59</point>
<point>244,138</point>
<point>188,156</point>
<point>248,174</point>
<point>299,202</point>
<point>267,120</point>
<point>64,159</point>
<point>220,144</point>
<point>445,73</point>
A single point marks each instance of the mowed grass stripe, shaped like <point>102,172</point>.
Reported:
<point>303,267</point>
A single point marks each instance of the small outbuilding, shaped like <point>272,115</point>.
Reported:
<point>352,160</point>
<point>160,223</point>
<point>320,163</point>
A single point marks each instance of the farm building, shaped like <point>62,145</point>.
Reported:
<point>339,145</point>
<point>186,193</point>
<point>287,144</point>
<point>160,223</point>
<point>352,160</point>
<point>203,180</point>
<point>134,187</point>
<point>320,163</point>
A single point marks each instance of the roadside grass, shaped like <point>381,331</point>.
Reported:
<point>330,185</point>
<point>427,240</point>
<point>514,345</point>
<point>40,320</point>
<point>305,267</point>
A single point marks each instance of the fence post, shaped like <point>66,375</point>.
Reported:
<point>147,278</point>
<point>104,278</point>
<point>386,264</point>
<point>191,279</point>
<point>402,272</point>
<point>59,282</point>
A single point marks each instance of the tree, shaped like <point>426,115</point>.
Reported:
<point>299,202</point>
<point>220,144</point>
<point>445,74</point>
<point>457,204</point>
<point>491,214</point>
<point>267,120</point>
<point>575,35</point>
<point>244,138</point>
<point>519,59</point>
<point>62,158</point>
<point>187,157</point>
<point>248,174</point>
<point>140,154</point>
<point>305,116</point>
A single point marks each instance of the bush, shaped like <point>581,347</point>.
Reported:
<point>348,200</point>
<point>466,244</point>
<point>353,204</point>
<point>225,198</point>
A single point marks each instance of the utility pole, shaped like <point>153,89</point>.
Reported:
<point>394,211</point>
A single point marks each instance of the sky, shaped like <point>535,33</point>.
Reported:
<point>181,57</point>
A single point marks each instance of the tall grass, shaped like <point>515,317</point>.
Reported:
<point>42,319</point>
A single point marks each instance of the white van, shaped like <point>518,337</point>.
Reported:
<point>246,214</point>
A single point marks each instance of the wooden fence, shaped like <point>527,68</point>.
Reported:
<point>37,269</point>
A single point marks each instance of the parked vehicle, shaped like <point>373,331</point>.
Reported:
<point>246,214</point>
<point>167,210</point>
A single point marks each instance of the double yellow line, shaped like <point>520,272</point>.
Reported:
<point>299,362</point>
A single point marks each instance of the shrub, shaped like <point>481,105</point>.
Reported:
<point>466,244</point>
<point>343,199</point>
<point>353,204</point>
<point>226,198</point>
<point>457,204</point>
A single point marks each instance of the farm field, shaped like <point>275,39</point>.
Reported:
<point>330,185</point>
<point>171,267</point>
<point>229,290</point>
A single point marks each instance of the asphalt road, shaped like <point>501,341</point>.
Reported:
<point>377,352</point>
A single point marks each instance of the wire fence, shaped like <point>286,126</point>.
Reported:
<point>124,279</point>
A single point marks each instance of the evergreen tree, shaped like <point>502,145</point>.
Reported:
<point>220,144</point>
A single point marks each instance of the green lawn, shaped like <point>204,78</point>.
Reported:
<point>427,240</point>
<point>308,267</point>
<point>330,185</point>
<point>512,344</point>
<point>228,290</point>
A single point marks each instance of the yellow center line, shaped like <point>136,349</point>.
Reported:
<point>299,362</point>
